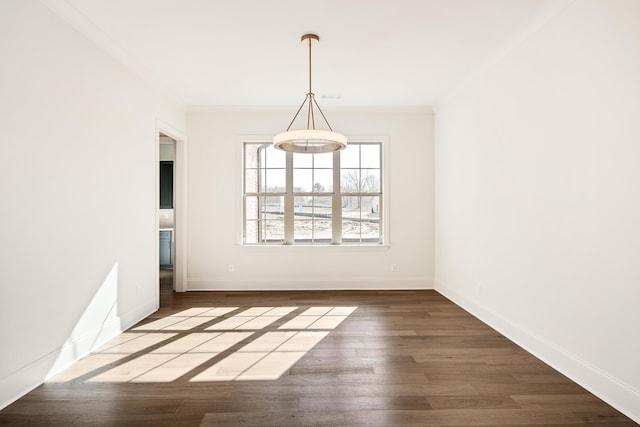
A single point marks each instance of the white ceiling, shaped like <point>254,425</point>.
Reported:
<point>246,53</point>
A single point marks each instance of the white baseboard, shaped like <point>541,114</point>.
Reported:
<point>27,378</point>
<point>310,284</point>
<point>615,392</point>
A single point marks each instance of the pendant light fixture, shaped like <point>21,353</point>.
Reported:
<point>310,140</point>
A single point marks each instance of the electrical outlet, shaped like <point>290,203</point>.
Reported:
<point>394,268</point>
<point>232,268</point>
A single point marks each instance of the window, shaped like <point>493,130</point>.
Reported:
<point>325,198</point>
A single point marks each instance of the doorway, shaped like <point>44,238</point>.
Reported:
<point>166,214</point>
<point>170,211</point>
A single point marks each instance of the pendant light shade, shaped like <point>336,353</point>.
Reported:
<point>310,140</point>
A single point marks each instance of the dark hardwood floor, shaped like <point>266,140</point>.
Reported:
<point>399,358</point>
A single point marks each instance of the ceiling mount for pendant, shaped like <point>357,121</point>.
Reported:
<point>310,140</point>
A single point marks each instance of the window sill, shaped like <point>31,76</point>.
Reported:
<point>330,248</point>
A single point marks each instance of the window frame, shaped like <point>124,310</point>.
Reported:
<point>336,196</point>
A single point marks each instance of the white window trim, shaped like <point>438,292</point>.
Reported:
<point>239,185</point>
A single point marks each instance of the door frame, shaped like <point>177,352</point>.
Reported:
<point>179,208</point>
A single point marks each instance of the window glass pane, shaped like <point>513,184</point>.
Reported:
<point>302,180</point>
<point>350,230</point>
<point>322,230</point>
<point>302,205</point>
<point>273,230</point>
<point>302,218</point>
<point>349,180</point>
<point>323,181</point>
<point>273,207</point>
<point>300,201</point>
<point>251,208</point>
<point>370,180</point>
<point>301,160</point>
<point>323,160</point>
<point>322,214</point>
<point>351,207</point>
<point>322,205</point>
<point>370,207</point>
<point>276,181</point>
<point>303,229</point>
<point>275,158</point>
<point>370,231</point>
<point>370,218</point>
<point>350,156</point>
<point>312,220</point>
<point>251,232</point>
<point>361,219</point>
<point>251,181</point>
<point>262,209</point>
<point>370,156</point>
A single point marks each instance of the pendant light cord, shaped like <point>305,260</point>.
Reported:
<point>311,122</point>
<point>309,40</point>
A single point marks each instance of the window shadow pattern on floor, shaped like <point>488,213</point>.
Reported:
<point>204,344</point>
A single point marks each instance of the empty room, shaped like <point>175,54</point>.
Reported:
<point>341,213</point>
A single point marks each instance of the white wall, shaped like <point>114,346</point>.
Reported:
<point>78,182</point>
<point>214,189</point>
<point>537,196</point>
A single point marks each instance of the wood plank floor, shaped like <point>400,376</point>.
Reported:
<point>400,358</point>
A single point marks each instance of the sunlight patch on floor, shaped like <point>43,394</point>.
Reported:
<point>203,344</point>
<point>265,358</point>
<point>137,344</point>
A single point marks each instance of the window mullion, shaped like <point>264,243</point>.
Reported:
<point>288,203</point>
<point>336,205</point>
